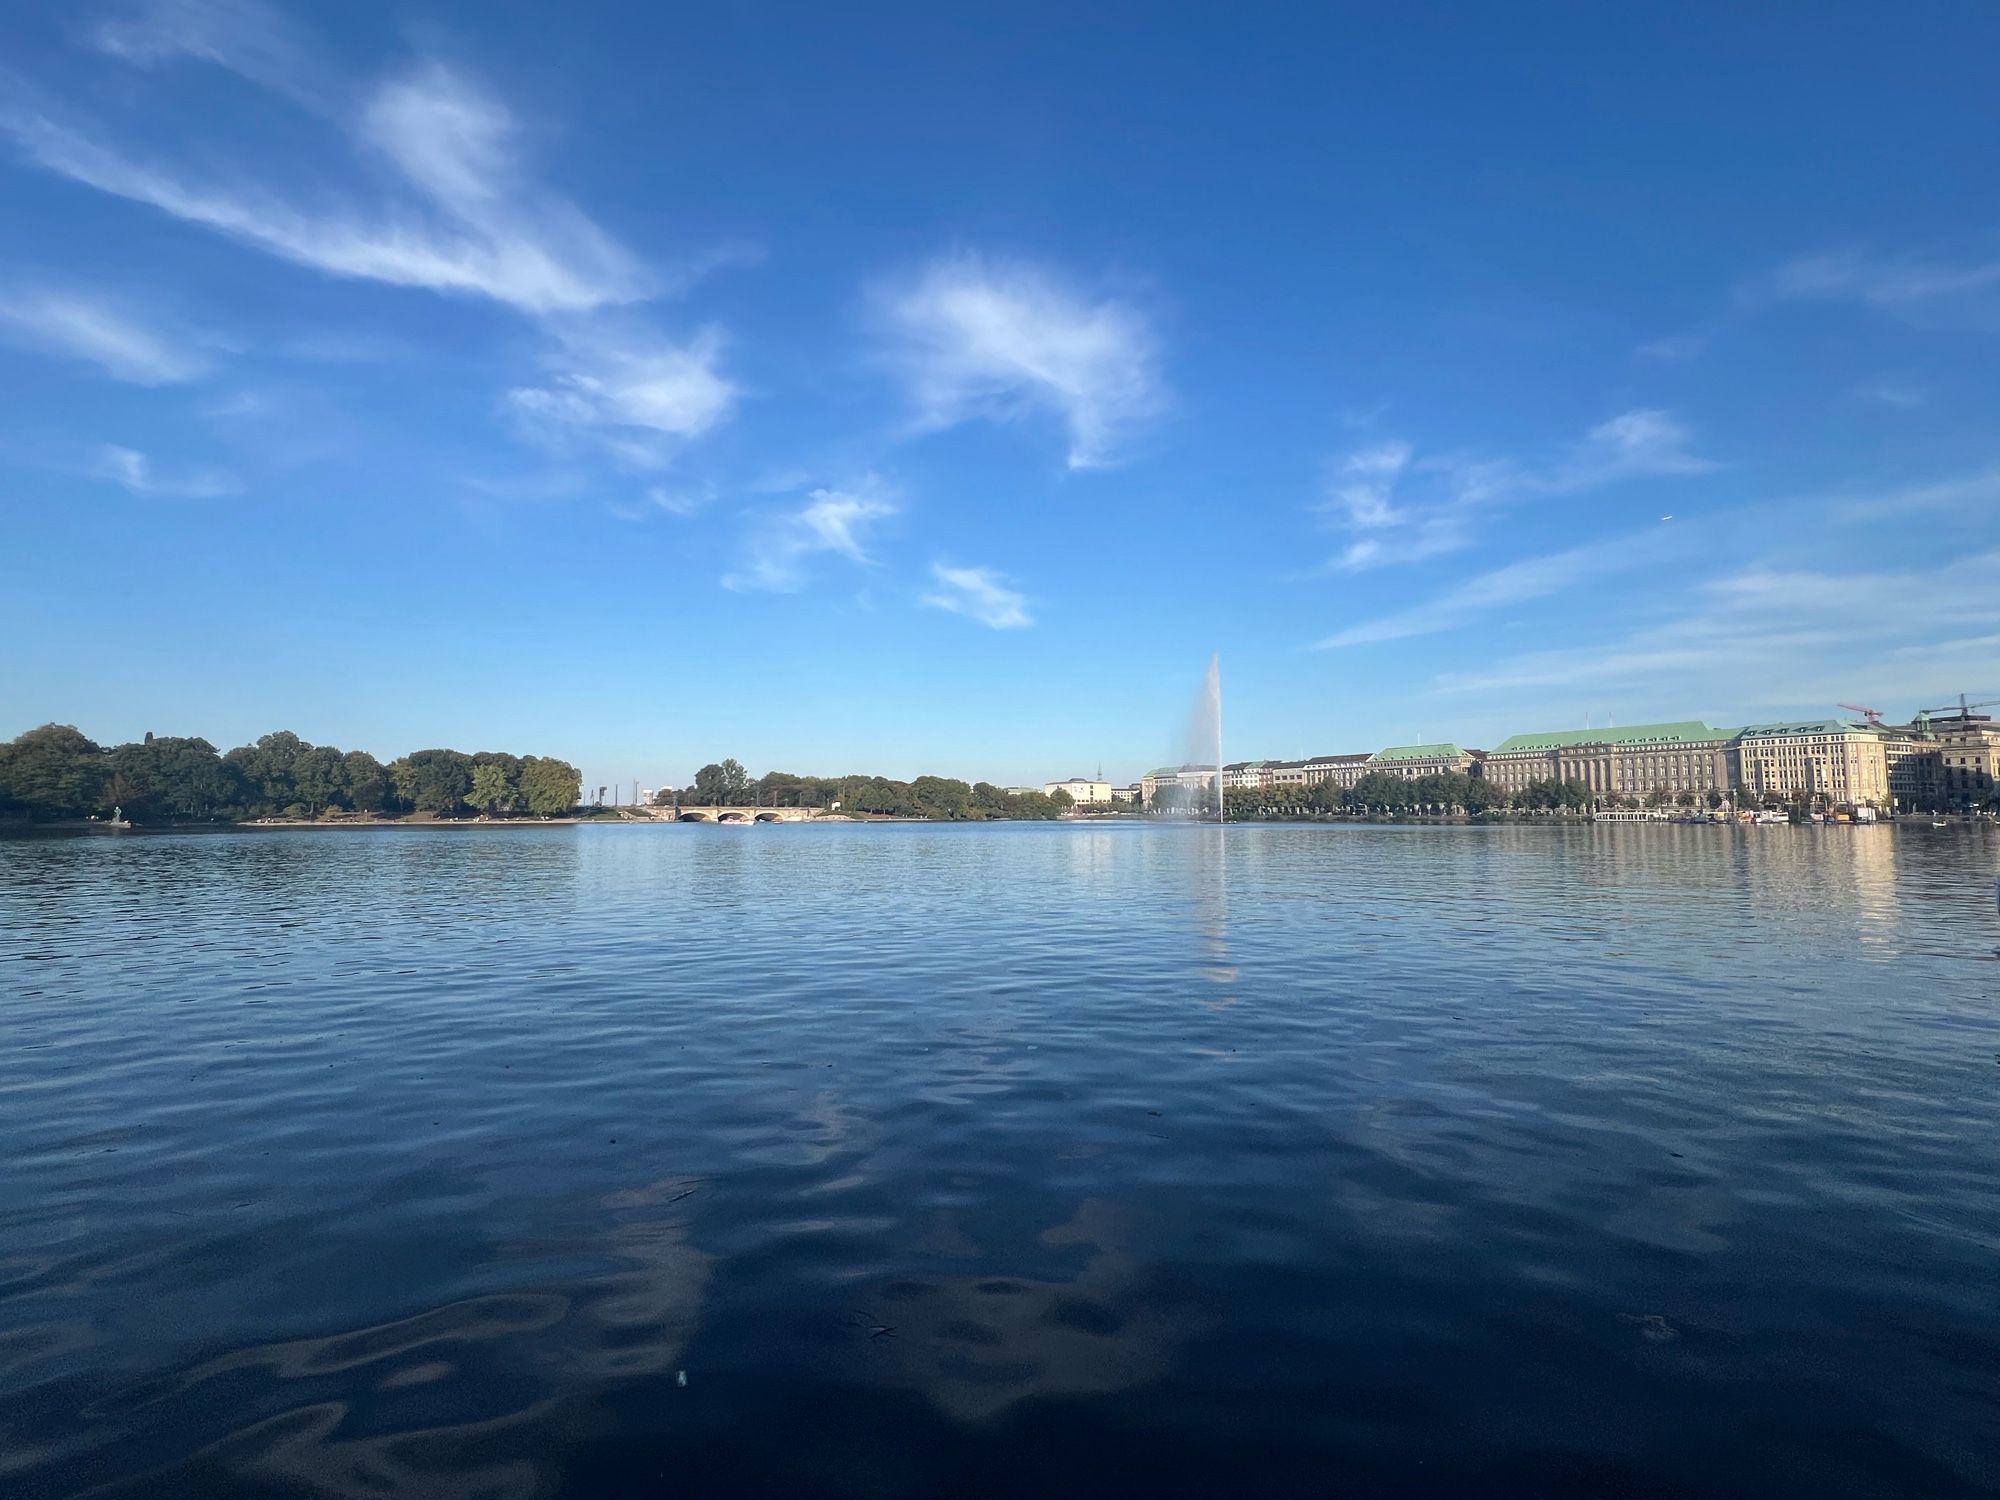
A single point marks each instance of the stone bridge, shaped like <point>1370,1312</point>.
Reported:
<point>722,814</point>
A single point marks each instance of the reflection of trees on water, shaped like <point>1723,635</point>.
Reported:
<point>976,1345</point>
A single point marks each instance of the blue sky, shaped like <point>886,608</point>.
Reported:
<point>900,388</point>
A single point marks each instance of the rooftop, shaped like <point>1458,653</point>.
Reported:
<point>1804,726</point>
<point>1418,752</point>
<point>1682,732</point>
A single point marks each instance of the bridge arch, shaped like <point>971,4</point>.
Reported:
<point>697,817</point>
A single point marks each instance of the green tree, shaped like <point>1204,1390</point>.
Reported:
<point>319,777</point>
<point>550,787</point>
<point>267,770</point>
<point>509,767</point>
<point>725,784</point>
<point>778,789</point>
<point>367,782</point>
<point>491,791</point>
<point>163,777</point>
<point>53,772</point>
<point>940,797</point>
<point>432,781</point>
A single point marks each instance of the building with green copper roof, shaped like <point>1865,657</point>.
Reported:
<point>1808,727</point>
<point>1417,752</point>
<point>1677,761</point>
<point>1413,761</point>
<point>1684,731</point>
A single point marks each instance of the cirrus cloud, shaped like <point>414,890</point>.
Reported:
<point>135,471</point>
<point>779,547</point>
<point>1399,508</point>
<point>89,329</point>
<point>996,339</point>
<point>979,594</point>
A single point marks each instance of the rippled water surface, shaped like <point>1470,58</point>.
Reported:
<point>1014,1159</point>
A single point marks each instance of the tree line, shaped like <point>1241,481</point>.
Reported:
<point>56,772</point>
<point>726,784</point>
<point>1441,794</point>
<point>1444,794</point>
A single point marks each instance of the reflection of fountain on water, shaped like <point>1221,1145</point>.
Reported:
<point>1204,746</point>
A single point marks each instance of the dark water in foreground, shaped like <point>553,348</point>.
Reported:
<point>964,1160</point>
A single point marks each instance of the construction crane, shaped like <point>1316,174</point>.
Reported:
<point>1872,715</point>
<point>1962,708</point>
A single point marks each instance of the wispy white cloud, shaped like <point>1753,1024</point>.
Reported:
<point>464,215</point>
<point>779,547</point>
<point>682,500</point>
<point>979,594</point>
<point>1920,288</point>
<point>639,396</point>
<point>243,36</point>
<point>1638,444</point>
<point>474,222</point>
<point>135,471</point>
<point>1767,637</point>
<point>1362,495</point>
<point>87,328</point>
<point>1674,349</point>
<point>1364,485</point>
<point>1399,508</point>
<point>530,486</point>
<point>1900,394</point>
<point>1977,493</point>
<point>1884,280</point>
<point>1516,583</point>
<point>985,338</point>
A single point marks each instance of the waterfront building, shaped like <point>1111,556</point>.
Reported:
<point>1834,759</point>
<point>1413,762</point>
<point>1314,770</point>
<point>1686,757</point>
<point>1191,783</point>
<point>1084,791</point>
<point>1241,774</point>
<point>1968,759</point>
<point>1915,767</point>
<point>1341,770</point>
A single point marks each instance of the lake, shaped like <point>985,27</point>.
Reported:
<point>1044,1159</point>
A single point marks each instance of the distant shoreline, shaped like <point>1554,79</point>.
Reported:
<point>261,823</point>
